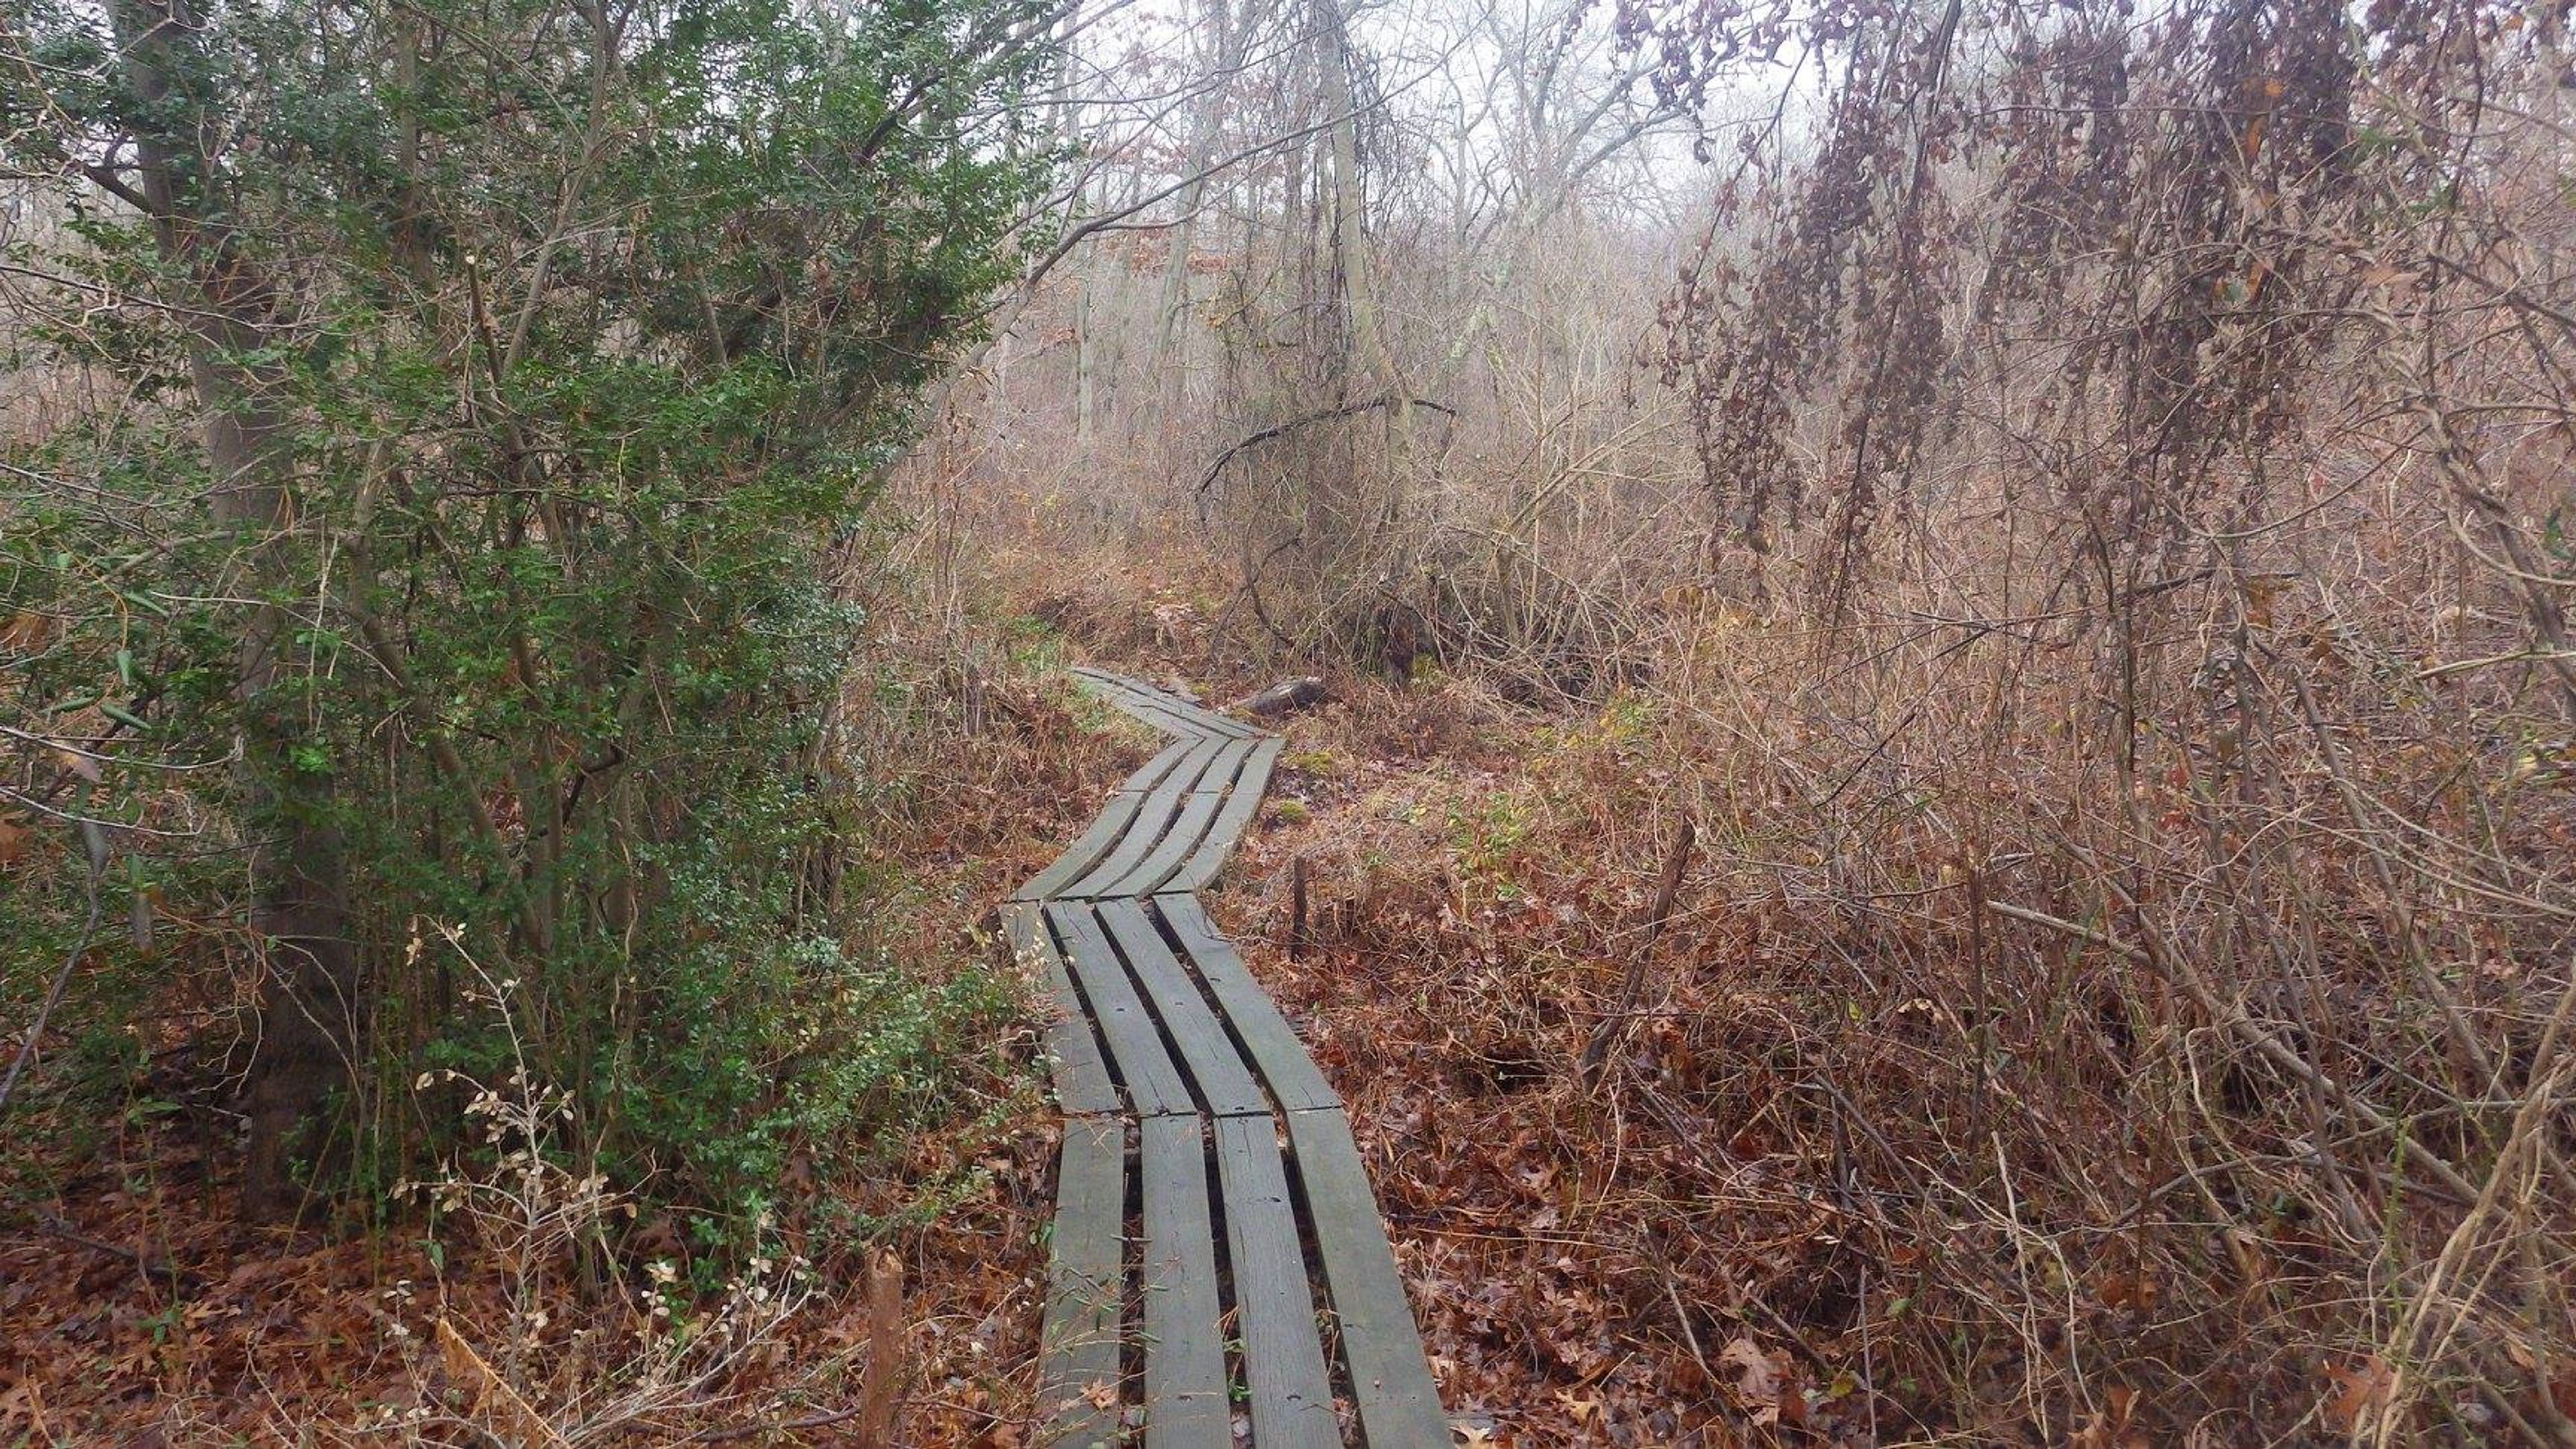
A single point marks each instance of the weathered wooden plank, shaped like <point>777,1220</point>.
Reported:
<point>1128,695</point>
<point>1283,1357</point>
<point>1151,773</point>
<point>1212,850</point>
<point>1225,1084</point>
<point>1082,1082</point>
<point>1086,1281</point>
<point>1190,825</point>
<point>1122,684</point>
<point>1267,1037</point>
<point>1105,831</point>
<point>1116,690</point>
<point>1390,1379</point>
<point>1180,719</point>
<point>1142,699</point>
<point>1096,674</point>
<point>1186,1405</point>
<point>1153,1084</point>
<point>1153,816</point>
<point>1106,828</point>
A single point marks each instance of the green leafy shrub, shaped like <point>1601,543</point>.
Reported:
<point>492,387</point>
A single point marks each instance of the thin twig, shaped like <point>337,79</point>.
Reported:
<point>2252,1033</point>
<point>1666,890</point>
<point>96,841</point>
<point>1327,415</point>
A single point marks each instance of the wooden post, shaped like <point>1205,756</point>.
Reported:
<point>880,1383</point>
<point>1297,909</point>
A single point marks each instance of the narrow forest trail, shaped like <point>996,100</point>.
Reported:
<point>1174,1071</point>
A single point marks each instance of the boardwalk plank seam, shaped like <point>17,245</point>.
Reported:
<point>1183,1084</point>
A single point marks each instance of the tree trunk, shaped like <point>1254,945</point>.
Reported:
<point>1204,130</point>
<point>310,1005</point>
<point>1086,361</point>
<point>1350,241</point>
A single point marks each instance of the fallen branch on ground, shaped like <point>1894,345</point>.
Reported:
<point>1282,698</point>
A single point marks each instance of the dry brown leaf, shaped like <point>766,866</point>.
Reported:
<point>2127,1290</point>
<point>2109,1429</point>
<point>25,632</point>
<point>1763,1386</point>
<point>2358,1393</point>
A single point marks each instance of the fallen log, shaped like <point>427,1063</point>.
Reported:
<point>1282,698</point>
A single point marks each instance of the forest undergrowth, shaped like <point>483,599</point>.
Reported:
<point>1946,813</point>
<point>1926,1118</point>
<point>896,1293</point>
<point>1857,1161</point>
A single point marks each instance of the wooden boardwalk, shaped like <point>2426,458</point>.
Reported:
<point>1217,1248</point>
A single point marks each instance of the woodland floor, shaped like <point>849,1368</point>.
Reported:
<point>1456,954</point>
<point>1588,1267</point>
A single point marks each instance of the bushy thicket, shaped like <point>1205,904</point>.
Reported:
<point>467,405</point>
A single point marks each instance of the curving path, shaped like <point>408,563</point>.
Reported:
<point>1216,1243</point>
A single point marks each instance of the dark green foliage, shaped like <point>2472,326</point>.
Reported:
<point>568,342</point>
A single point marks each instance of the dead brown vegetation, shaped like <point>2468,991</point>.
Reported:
<point>1931,1124</point>
<point>2097,584</point>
